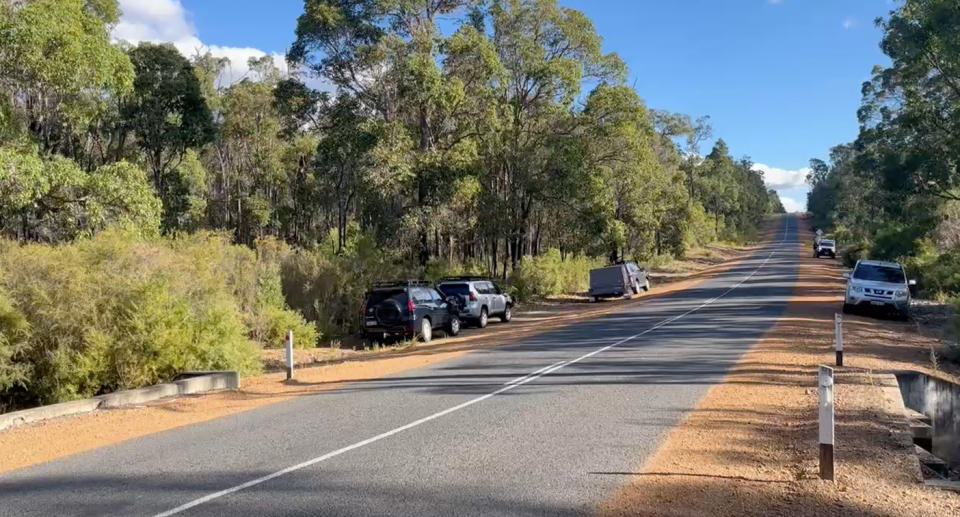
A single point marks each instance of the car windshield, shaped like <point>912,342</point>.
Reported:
<point>826,243</point>
<point>875,273</point>
<point>378,296</point>
<point>455,289</point>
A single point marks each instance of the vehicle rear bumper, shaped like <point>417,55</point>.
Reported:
<point>471,312</point>
<point>406,329</point>
<point>608,293</point>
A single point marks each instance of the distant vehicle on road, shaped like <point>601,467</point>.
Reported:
<point>407,309</point>
<point>479,299</point>
<point>621,279</point>
<point>878,285</point>
<point>825,247</point>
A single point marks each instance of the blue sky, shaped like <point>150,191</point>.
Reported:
<point>780,79</point>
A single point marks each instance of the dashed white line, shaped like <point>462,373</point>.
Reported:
<point>520,381</point>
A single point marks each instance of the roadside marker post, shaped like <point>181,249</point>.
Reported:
<point>838,332</point>
<point>825,383</point>
<point>289,355</point>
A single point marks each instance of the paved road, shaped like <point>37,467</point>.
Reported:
<point>548,425</point>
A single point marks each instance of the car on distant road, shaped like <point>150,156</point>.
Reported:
<point>879,285</point>
<point>621,279</point>
<point>407,309</point>
<point>825,247</point>
<point>479,299</point>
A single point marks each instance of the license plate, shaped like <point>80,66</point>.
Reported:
<point>371,323</point>
<point>878,304</point>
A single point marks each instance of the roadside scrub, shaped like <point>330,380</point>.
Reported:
<point>119,311</point>
<point>550,274</point>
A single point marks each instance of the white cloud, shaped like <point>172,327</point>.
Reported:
<point>161,21</point>
<point>849,23</point>
<point>792,205</point>
<point>782,178</point>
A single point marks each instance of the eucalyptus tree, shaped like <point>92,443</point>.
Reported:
<point>547,53</point>
<point>388,55</point>
<point>59,73</point>
<point>166,114</point>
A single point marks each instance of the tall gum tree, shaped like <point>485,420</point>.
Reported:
<point>547,52</point>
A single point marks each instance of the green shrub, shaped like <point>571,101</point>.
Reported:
<point>850,254</point>
<point>549,275</point>
<point>700,229</point>
<point>328,288</point>
<point>938,274</point>
<point>14,332</point>
<point>119,311</point>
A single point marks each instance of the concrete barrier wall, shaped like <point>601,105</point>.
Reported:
<point>190,383</point>
<point>27,416</point>
<point>208,382</point>
<point>940,401</point>
<point>138,396</point>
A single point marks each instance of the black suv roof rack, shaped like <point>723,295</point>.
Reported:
<point>402,283</point>
<point>463,278</point>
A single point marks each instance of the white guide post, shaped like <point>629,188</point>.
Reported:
<point>838,331</point>
<point>826,436</point>
<point>289,355</point>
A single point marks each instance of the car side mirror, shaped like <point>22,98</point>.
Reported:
<point>846,275</point>
<point>912,283</point>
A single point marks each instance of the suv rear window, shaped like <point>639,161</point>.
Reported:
<point>455,289</point>
<point>380,295</point>
<point>872,273</point>
<point>826,243</point>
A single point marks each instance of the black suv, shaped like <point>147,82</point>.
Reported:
<point>407,309</point>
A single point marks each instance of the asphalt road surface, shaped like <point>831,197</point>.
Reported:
<point>548,425</point>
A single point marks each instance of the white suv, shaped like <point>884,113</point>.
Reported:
<point>882,285</point>
<point>480,299</point>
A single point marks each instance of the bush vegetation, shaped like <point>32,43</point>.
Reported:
<point>120,311</point>
<point>550,274</point>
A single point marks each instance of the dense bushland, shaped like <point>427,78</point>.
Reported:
<point>119,311</point>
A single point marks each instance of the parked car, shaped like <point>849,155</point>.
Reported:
<point>826,247</point>
<point>479,299</point>
<point>621,279</point>
<point>880,285</point>
<point>407,309</point>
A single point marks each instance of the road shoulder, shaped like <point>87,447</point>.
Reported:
<point>750,446</point>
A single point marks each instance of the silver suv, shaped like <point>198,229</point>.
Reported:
<point>481,299</point>
<point>825,247</point>
<point>880,285</point>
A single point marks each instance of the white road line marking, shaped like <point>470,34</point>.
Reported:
<point>520,381</point>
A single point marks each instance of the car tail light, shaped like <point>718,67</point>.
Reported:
<point>363,308</point>
<point>410,306</point>
<point>473,297</point>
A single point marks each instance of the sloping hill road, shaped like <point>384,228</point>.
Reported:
<point>543,426</point>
